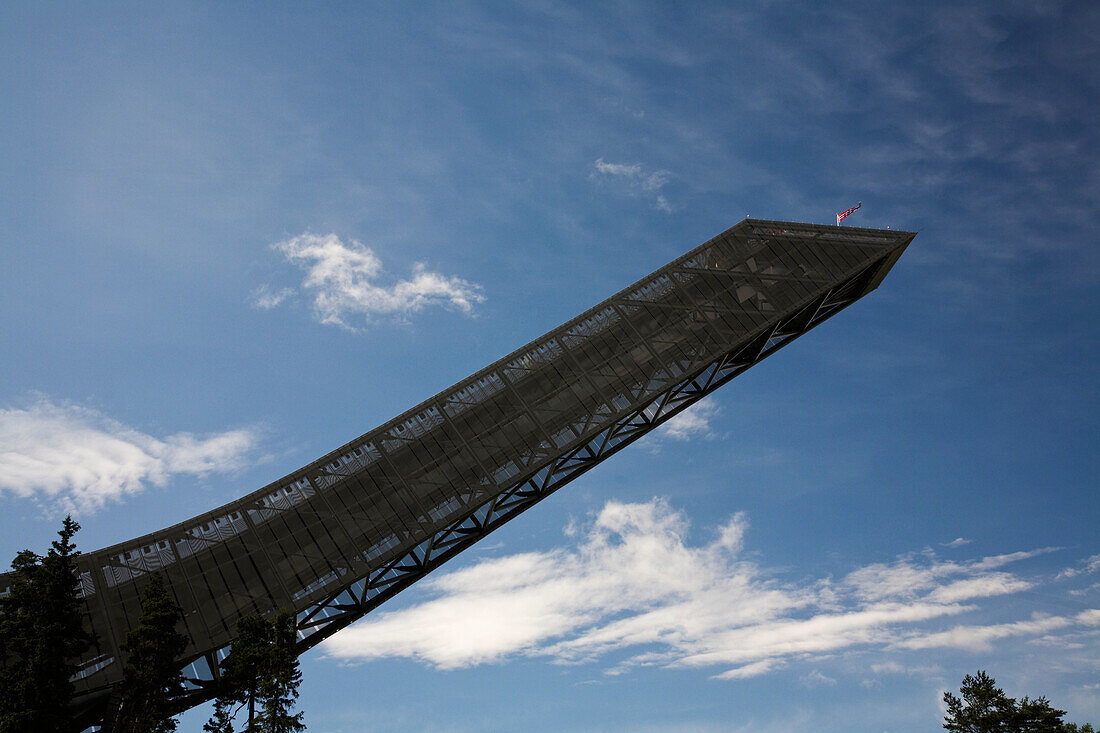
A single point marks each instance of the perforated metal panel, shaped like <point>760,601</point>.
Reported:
<point>339,536</point>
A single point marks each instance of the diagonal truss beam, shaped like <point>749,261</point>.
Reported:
<point>342,535</point>
<point>342,608</point>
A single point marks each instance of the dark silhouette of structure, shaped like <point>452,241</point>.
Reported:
<point>338,537</point>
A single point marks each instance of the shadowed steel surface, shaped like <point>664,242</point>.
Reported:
<point>339,536</point>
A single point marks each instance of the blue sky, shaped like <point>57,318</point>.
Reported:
<point>233,238</point>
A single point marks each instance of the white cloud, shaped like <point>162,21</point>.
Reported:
<point>80,459</point>
<point>817,678</point>
<point>265,298</point>
<point>996,561</point>
<point>915,576</point>
<point>731,536</point>
<point>993,584</point>
<point>957,542</point>
<point>1085,567</point>
<point>980,638</point>
<point>893,667</point>
<point>638,181</point>
<point>630,582</point>
<point>343,280</point>
<point>749,670</point>
<point>1085,591</point>
<point>694,422</point>
<point>618,169</point>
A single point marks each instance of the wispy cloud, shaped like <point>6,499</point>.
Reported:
<point>957,542</point>
<point>345,280</point>
<point>754,669</point>
<point>266,298</point>
<point>694,422</point>
<point>1085,567</point>
<point>631,581</point>
<point>914,576</point>
<point>80,459</point>
<point>637,180</point>
<point>893,667</point>
<point>980,638</point>
<point>817,678</point>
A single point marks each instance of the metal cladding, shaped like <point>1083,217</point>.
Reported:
<point>339,536</point>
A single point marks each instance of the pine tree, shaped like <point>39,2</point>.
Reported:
<point>280,685</point>
<point>261,669</point>
<point>152,676</point>
<point>984,708</point>
<point>222,719</point>
<point>1037,716</point>
<point>42,627</point>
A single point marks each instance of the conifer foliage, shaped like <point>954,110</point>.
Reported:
<point>42,637</point>
<point>152,677</point>
<point>280,689</point>
<point>985,708</point>
<point>261,672</point>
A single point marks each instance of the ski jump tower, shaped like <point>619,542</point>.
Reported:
<point>338,537</point>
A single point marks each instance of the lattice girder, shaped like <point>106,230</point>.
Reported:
<point>342,535</point>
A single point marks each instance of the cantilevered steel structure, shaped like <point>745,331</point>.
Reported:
<point>343,534</point>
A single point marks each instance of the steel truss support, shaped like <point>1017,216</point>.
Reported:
<point>338,537</point>
<point>345,606</point>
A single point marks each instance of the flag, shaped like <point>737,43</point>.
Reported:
<point>840,217</point>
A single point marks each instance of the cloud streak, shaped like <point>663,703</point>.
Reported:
<point>637,180</point>
<point>1085,567</point>
<point>345,283</point>
<point>266,298</point>
<point>632,583</point>
<point>80,459</point>
<point>980,638</point>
